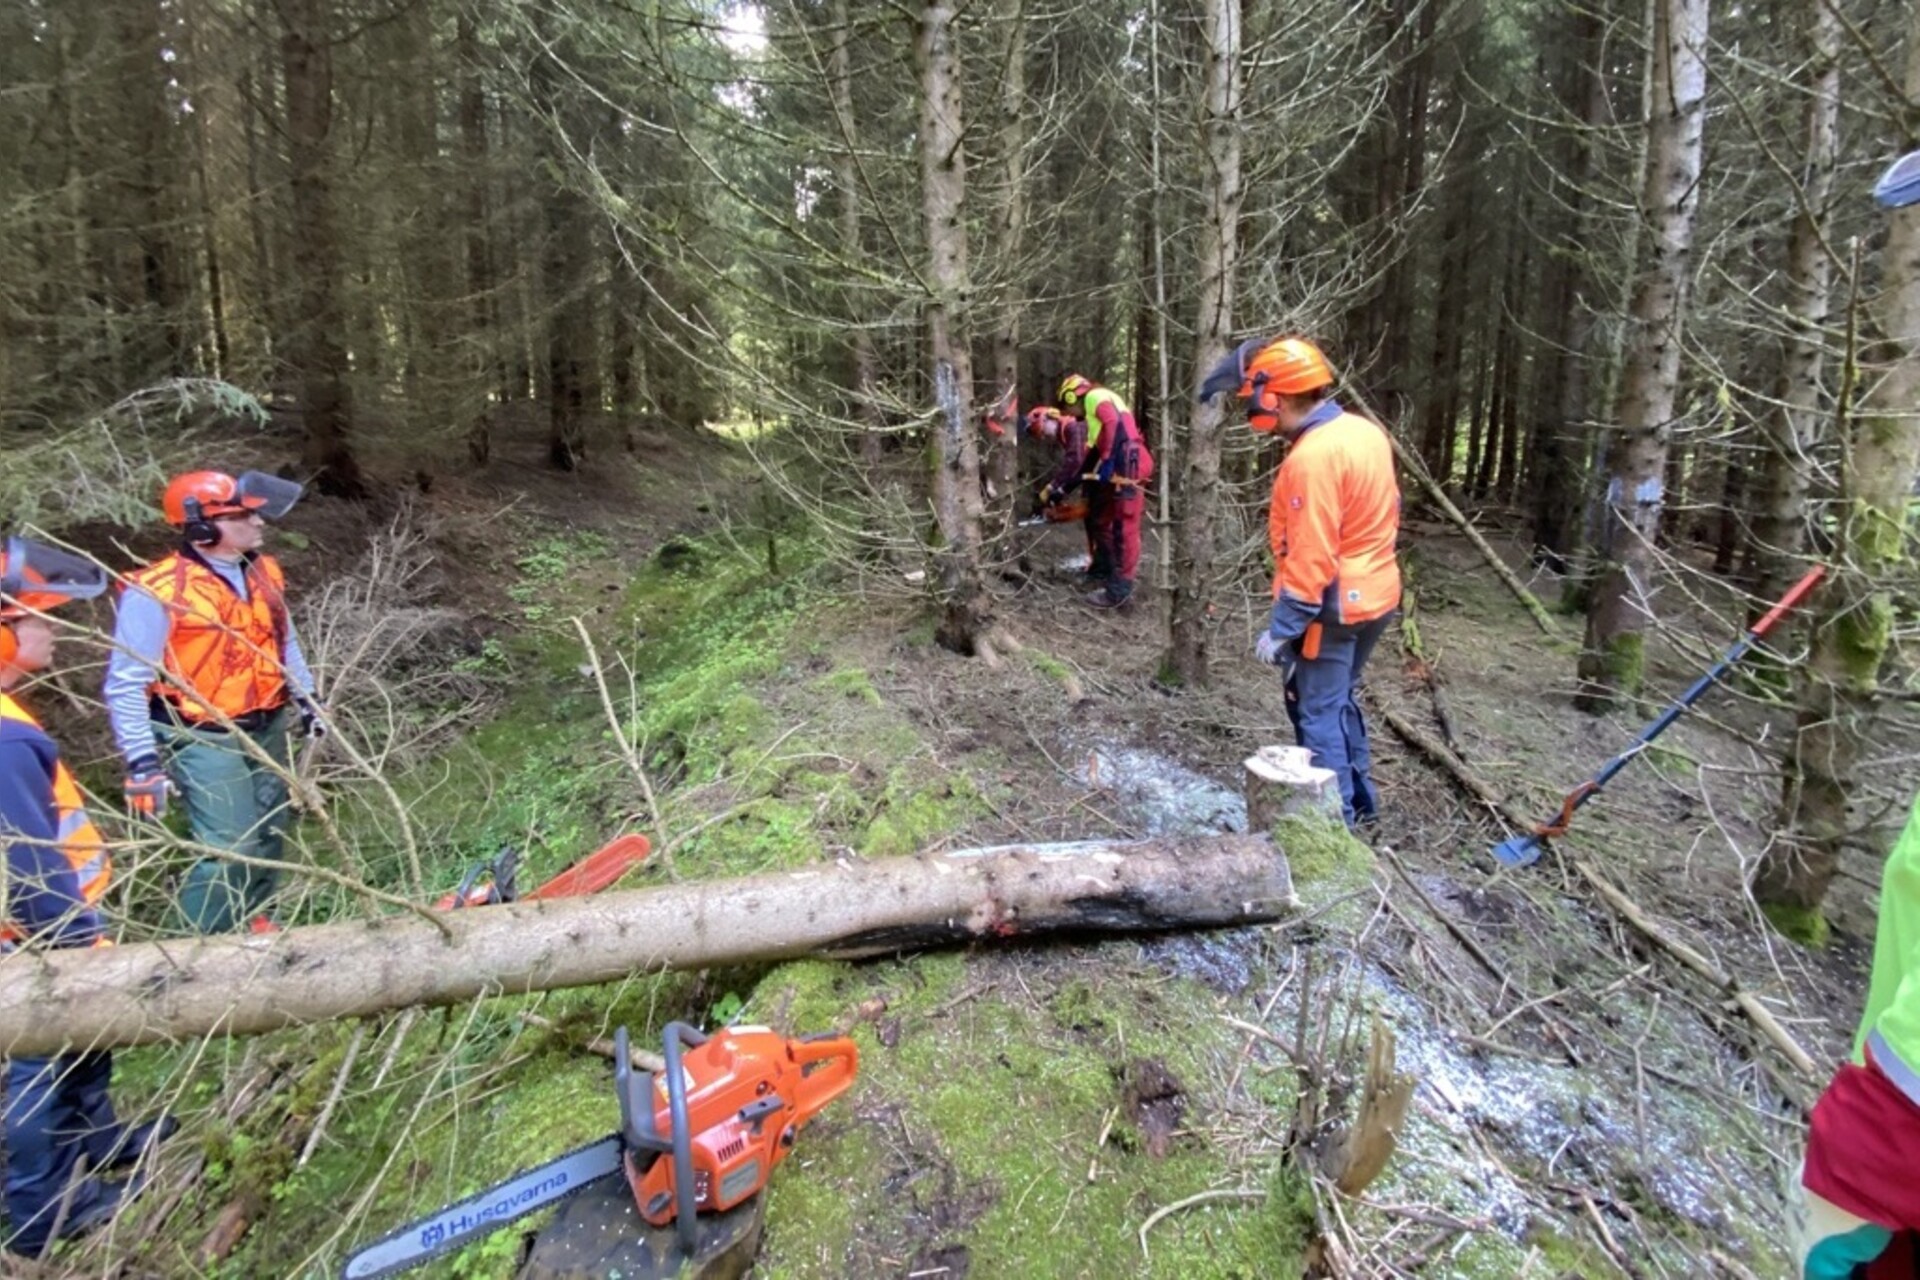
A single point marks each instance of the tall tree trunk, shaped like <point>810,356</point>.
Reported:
<point>1197,567</point>
<point>846,167</point>
<point>205,103</point>
<point>1560,404</point>
<point>1010,216</point>
<point>1613,654</point>
<point>483,368</point>
<point>966,608</point>
<point>317,353</point>
<point>1852,632</point>
<point>1792,426</point>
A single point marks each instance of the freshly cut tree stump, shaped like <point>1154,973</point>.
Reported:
<point>1284,780</point>
<point>55,1001</point>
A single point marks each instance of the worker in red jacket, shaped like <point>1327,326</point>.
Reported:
<point>58,1113</point>
<point>1116,470</point>
<point>1332,525</point>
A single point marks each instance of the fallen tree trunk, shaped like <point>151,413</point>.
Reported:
<point>54,1001</point>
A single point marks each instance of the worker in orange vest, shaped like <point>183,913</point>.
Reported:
<point>205,650</point>
<point>57,1107</point>
<point>1332,525</point>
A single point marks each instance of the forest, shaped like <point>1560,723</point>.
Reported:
<point>652,370</point>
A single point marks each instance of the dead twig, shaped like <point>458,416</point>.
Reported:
<point>1202,1197</point>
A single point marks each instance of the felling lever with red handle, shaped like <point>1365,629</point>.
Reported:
<point>494,881</point>
<point>695,1144</point>
<point>1521,851</point>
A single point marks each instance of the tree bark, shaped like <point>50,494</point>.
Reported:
<point>1853,630</point>
<point>1560,402</point>
<point>1196,567</point>
<point>1614,650</point>
<point>317,349</point>
<point>846,168</point>
<point>483,367</point>
<point>1010,227</point>
<point>966,608</point>
<point>1793,425</point>
<point>149,993</point>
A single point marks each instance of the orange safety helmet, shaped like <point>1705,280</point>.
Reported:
<point>1260,371</point>
<point>1073,388</point>
<point>194,499</point>
<point>34,578</point>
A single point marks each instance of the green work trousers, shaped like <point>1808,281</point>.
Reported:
<point>232,802</point>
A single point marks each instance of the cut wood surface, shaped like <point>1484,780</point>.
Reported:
<point>52,1001</point>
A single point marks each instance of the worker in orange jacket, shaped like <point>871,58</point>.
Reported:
<point>1332,525</point>
<point>205,652</point>
<point>1117,467</point>
<point>57,1106</point>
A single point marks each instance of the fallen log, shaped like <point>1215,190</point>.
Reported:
<point>57,1001</point>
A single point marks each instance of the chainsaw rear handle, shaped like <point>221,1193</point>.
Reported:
<point>828,1064</point>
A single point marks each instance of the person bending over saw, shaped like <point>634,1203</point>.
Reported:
<point>57,1107</point>
<point>205,654</point>
<point>1332,525</point>
<point>1115,469</point>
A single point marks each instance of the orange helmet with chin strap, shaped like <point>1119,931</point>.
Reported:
<point>34,578</point>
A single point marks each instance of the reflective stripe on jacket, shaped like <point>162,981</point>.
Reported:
<point>1334,518</point>
<point>1890,1027</point>
<point>227,650</point>
<point>79,840</point>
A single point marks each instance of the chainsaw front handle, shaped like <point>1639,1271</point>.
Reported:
<point>827,1065</point>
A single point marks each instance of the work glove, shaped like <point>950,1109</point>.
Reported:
<point>1270,651</point>
<point>313,723</point>
<point>147,788</point>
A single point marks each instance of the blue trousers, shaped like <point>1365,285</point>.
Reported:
<point>1325,712</point>
<point>57,1108</point>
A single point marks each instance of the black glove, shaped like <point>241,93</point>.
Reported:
<point>312,724</point>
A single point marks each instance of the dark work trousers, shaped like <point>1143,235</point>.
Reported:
<point>1323,704</point>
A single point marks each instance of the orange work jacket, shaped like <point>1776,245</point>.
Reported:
<point>78,838</point>
<point>227,650</point>
<point>1334,519</point>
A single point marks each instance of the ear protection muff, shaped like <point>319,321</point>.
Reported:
<point>1262,400</point>
<point>198,530</point>
<point>9,643</point>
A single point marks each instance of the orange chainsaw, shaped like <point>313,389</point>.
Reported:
<point>700,1138</point>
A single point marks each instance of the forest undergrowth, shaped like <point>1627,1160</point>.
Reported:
<point>1084,1108</point>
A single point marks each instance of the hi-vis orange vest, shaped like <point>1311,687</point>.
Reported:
<point>79,839</point>
<point>227,650</point>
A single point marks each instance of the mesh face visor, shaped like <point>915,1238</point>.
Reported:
<point>1231,373</point>
<point>38,577</point>
<point>271,496</point>
<point>1899,186</point>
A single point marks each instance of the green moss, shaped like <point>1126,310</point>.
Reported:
<point>1805,925</point>
<point>916,810</point>
<point>1625,662</point>
<point>851,682</point>
<point>1323,855</point>
<point>1861,636</point>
